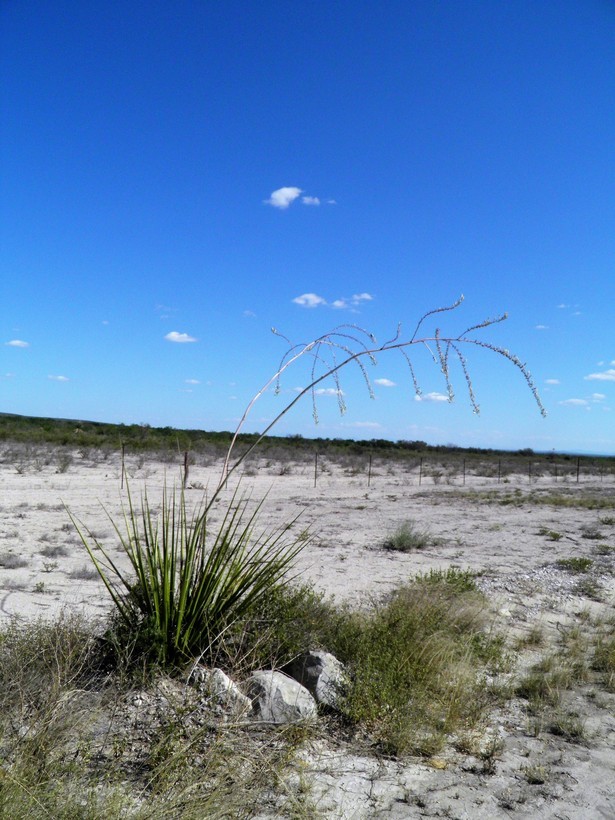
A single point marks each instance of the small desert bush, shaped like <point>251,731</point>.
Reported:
<point>574,564</point>
<point>55,551</point>
<point>417,662</point>
<point>8,560</point>
<point>407,537</point>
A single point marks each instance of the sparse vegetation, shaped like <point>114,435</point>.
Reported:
<point>551,535</point>
<point>575,564</point>
<point>407,537</point>
<point>9,560</point>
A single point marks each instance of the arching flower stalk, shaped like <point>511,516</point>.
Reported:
<point>349,343</point>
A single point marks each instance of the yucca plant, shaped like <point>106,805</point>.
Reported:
<point>189,582</point>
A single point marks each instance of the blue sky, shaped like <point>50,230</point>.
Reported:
<point>177,178</point>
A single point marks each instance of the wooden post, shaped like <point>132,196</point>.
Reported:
<point>123,451</point>
<point>578,468</point>
<point>529,471</point>
<point>499,470</point>
<point>185,478</point>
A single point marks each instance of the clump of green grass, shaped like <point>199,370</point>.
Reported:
<point>407,538</point>
<point>551,535</point>
<point>591,532</point>
<point>607,520</point>
<point>574,564</point>
<point>603,549</point>
<point>603,660</point>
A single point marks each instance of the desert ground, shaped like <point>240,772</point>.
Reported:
<point>511,533</point>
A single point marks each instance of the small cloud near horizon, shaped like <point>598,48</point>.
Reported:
<point>328,391</point>
<point>192,381</point>
<point>574,403</point>
<point>604,376</point>
<point>180,338</point>
<point>310,200</point>
<point>59,378</point>
<point>434,396</point>
<point>541,327</point>
<point>17,343</point>
<point>385,383</point>
<point>552,381</point>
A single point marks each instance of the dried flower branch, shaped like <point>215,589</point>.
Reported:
<point>356,344</point>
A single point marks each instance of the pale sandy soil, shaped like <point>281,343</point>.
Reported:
<point>348,522</point>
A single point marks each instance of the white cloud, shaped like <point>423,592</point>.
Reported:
<point>192,381</point>
<point>174,336</point>
<point>432,397</point>
<point>283,197</point>
<point>541,327</point>
<point>605,376</point>
<point>309,300</point>
<point>328,391</point>
<point>58,378</point>
<point>552,381</point>
<point>17,343</point>
<point>310,200</point>
<point>574,403</point>
<point>331,202</point>
<point>249,314</point>
<point>598,397</point>
<point>313,300</point>
<point>562,306</point>
<point>384,382</point>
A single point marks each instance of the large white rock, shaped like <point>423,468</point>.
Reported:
<point>322,674</point>
<point>278,698</point>
<point>217,685</point>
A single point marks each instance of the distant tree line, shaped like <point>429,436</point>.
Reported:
<point>144,437</point>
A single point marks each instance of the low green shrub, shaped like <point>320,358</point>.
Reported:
<point>407,537</point>
<point>574,564</point>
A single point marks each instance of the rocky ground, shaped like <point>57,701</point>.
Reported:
<point>517,535</point>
